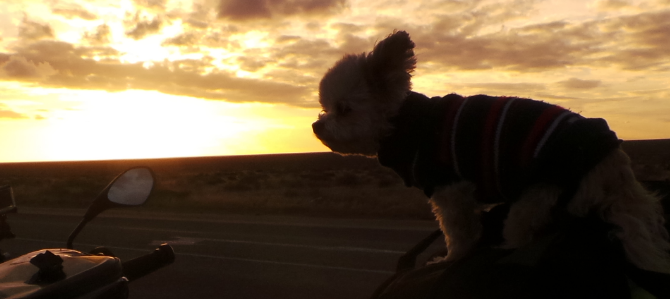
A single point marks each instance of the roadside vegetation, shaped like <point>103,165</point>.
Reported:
<point>320,184</point>
<point>327,189</point>
<point>341,193</point>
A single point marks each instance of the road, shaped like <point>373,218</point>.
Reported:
<point>235,256</point>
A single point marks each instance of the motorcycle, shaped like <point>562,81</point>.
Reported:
<point>69,273</point>
<point>577,259</point>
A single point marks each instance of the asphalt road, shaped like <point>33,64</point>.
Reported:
<point>235,256</point>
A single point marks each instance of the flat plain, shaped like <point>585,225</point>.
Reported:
<point>310,184</point>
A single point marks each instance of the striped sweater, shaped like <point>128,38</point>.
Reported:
<point>502,144</point>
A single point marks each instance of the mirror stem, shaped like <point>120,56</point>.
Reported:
<point>76,231</point>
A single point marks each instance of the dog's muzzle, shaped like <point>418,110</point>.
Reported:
<point>318,127</point>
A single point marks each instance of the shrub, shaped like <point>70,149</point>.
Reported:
<point>348,179</point>
<point>246,183</point>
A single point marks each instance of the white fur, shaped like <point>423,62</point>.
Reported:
<point>361,92</point>
<point>529,214</point>
<point>457,212</point>
<point>612,191</point>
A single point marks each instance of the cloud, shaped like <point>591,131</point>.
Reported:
<point>309,56</point>
<point>7,113</point>
<point>100,36</point>
<point>513,50</point>
<point>451,5</point>
<point>287,39</point>
<point>100,53</point>
<point>195,23</point>
<point>508,86</point>
<point>195,38</point>
<point>574,83</point>
<point>474,16</point>
<point>290,59</point>
<point>74,11</point>
<point>182,77</point>
<point>633,42</point>
<point>10,114</point>
<point>30,30</point>
<point>154,5</point>
<point>18,68</point>
<point>251,63</point>
<point>305,37</point>
<point>183,40</point>
<point>348,27</point>
<point>143,28</point>
<point>507,89</point>
<point>641,42</point>
<point>351,43</point>
<point>244,10</point>
<point>612,5</point>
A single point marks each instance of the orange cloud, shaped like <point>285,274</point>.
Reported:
<point>303,38</point>
<point>635,42</point>
<point>33,31</point>
<point>6,113</point>
<point>155,5</point>
<point>608,5</point>
<point>100,36</point>
<point>183,40</point>
<point>574,83</point>
<point>144,28</point>
<point>242,10</point>
<point>18,68</point>
<point>181,77</point>
<point>73,11</point>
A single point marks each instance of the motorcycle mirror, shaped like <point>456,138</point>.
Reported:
<point>131,188</point>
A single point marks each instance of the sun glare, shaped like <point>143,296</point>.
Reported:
<point>251,39</point>
<point>140,124</point>
<point>68,125</point>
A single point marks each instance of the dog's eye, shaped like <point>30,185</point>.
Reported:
<point>343,110</point>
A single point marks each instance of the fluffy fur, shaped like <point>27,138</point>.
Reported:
<point>362,92</point>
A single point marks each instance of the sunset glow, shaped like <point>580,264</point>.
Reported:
<point>83,80</point>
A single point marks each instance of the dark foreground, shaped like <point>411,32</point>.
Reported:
<point>236,256</point>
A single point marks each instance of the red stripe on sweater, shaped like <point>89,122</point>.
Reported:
<point>488,150</point>
<point>539,129</point>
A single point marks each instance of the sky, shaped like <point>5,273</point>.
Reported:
<point>97,79</point>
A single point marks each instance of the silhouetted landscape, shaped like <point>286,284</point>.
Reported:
<point>312,184</point>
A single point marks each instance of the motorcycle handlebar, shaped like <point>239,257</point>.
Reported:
<point>143,265</point>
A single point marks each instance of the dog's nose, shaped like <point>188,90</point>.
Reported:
<point>318,127</point>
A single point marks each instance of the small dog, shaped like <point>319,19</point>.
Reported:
<point>468,153</point>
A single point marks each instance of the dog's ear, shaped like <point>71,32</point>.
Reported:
<point>391,64</point>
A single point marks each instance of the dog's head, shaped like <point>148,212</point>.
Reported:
<point>361,92</point>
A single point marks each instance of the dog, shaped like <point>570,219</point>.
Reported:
<point>469,153</point>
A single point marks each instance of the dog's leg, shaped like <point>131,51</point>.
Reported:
<point>456,210</point>
<point>612,191</point>
<point>529,214</point>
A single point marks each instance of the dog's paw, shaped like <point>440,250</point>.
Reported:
<point>457,252</point>
<point>453,256</point>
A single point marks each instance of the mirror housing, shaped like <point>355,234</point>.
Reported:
<point>7,202</point>
<point>131,188</point>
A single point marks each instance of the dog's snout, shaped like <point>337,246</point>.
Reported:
<point>318,127</point>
